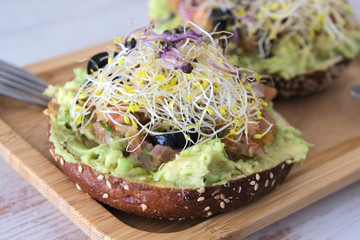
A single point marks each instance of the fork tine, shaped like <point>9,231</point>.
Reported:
<point>11,69</point>
<point>13,93</point>
<point>17,83</point>
<point>24,82</point>
<point>22,87</point>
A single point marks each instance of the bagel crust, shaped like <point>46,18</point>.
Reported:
<point>310,82</point>
<point>172,203</point>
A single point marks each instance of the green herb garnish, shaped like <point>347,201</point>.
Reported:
<point>107,129</point>
<point>246,157</point>
<point>147,152</point>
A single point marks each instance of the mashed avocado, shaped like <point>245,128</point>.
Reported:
<point>204,164</point>
<point>288,59</point>
<point>161,12</point>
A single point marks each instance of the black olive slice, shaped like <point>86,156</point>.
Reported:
<point>97,61</point>
<point>173,140</point>
<point>130,43</point>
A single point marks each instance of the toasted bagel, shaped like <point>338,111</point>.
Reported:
<point>172,203</point>
<point>310,82</point>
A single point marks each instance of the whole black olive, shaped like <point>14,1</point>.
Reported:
<point>97,61</point>
<point>173,140</point>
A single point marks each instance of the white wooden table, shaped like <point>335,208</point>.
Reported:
<point>36,30</point>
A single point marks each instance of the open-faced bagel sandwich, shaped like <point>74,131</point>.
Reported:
<point>300,46</point>
<point>164,126</point>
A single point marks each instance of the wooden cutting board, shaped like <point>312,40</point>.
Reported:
<point>330,120</point>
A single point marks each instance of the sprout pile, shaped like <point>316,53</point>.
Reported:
<point>178,80</point>
<point>264,20</point>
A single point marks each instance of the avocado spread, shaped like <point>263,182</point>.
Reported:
<point>288,59</point>
<point>203,164</point>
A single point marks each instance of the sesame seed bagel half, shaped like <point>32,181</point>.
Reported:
<point>311,82</point>
<point>173,203</point>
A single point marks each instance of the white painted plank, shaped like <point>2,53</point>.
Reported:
<point>26,214</point>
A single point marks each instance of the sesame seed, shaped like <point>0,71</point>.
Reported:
<point>143,207</point>
<point>201,190</point>
<point>61,161</point>
<point>52,154</point>
<point>267,182</point>
<point>222,205</point>
<point>271,175</point>
<point>78,186</point>
<point>108,184</point>
<point>283,166</point>
<point>207,208</point>
<point>100,177</point>
<point>288,161</point>
<point>257,177</point>
<point>209,214</point>
<point>80,169</point>
<point>217,197</point>
<point>105,195</point>
<point>256,187</point>
<point>252,183</point>
<point>186,207</point>
<point>239,190</point>
<point>215,192</point>
<point>273,183</point>
<point>126,187</point>
<point>222,196</point>
<point>200,199</point>
<point>226,200</point>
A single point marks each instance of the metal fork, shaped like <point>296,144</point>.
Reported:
<point>17,83</point>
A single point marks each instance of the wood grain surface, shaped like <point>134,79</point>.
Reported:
<point>24,212</point>
<point>327,120</point>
